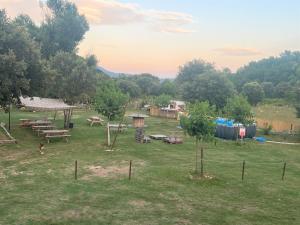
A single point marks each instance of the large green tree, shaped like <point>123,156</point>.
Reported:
<point>12,79</point>
<point>109,100</point>
<point>73,77</point>
<point>211,86</point>
<point>239,109</point>
<point>254,92</point>
<point>192,69</point>
<point>16,38</point>
<point>62,29</point>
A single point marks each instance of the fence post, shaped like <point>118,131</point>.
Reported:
<point>196,161</point>
<point>130,165</point>
<point>75,169</point>
<point>283,171</point>
<point>243,170</point>
<point>201,162</point>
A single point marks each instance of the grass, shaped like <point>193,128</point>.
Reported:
<point>277,113</point>
<point>40,189</point>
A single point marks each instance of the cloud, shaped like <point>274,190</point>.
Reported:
<point>111,13</point>
<point>102,12</point>
<point>236,51</point>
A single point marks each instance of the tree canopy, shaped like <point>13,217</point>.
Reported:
<point>239,109</point>
<point>200,121</point>
<point>109,100</point>
<point>254,92</point>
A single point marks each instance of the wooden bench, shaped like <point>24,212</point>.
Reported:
<point>65,136</point>
<point>95,120</point>
<point>56,134</point>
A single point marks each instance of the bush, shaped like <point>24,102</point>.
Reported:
<point>267,129</point>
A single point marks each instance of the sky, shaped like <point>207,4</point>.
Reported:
<point>158,36</point>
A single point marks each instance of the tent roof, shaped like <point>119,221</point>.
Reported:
<point>45,104</point>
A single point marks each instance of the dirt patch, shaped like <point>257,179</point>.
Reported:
<point>110,171</point>
<point>114,171</point>
<point>138,203</point>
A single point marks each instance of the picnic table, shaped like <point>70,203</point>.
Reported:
<point>173,140</point>
<point>95,120</point>
<point>25,122</point>
<point>38,129</point>
<point>39,123</point>
<point>117,127</point>
<point>56,134</point>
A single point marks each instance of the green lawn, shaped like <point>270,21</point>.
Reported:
<point>274,112</point>
<point>40,189</point>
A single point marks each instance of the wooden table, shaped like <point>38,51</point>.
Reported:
<point>117,127</point>
<point>25,122</point>
<point>39,123</point>
<point>56,134</point>
<point>38,129</point>
<point>95,120</point>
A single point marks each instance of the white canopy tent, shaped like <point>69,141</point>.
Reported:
<point>48,104</point>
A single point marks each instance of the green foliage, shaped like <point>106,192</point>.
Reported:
<point>62,29</point>
<point>211,86</point>
<point>12,79</point>
<point>162,100</point>
<point>254,92</point>
<point>239,109</point>
<point>129,87</point>
<point>72,77</point>
<point>168,87</point>
<point>15,37</point>
<point>191,70</point>
<point>109,100</point>
<point>200,121</point>
<point>267,129</point>
<point>296,100</point>
<point>269,89</point>
<point>283,69</point>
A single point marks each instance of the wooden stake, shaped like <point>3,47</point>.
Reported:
<point>75,169</point>
<point>130,165</point>
<point>201,169</point>
<point>283,171</point>
<point>196,160</point>
<point>9,117</point>
<point>243,171</point>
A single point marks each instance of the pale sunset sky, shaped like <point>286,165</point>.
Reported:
<point>157,36</point>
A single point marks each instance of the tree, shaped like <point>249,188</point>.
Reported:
<point>239,109</point>
<point>129,87</point>
<point>269,89</point>
<point>12,79</point>
<point>162,100</point>
<point>15,37</point>
<point>73,77</point>
<point>168,87</point>
<point>285,68</point>
<point>109,100</point>
<point>199,124</point>
<point>211,86</point>
<point>191,70</point>
<point>254,92</point>
<point>62,29</point>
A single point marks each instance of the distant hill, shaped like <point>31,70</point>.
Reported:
<point>109,73</point>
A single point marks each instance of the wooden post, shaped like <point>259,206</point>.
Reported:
<point>201,169</point>
<point>196,160</point>
<point>9,117</point>
<point>75,169</point>
<point>283,171</point>
<point>243,171</point>
<point>108,134</point>
<point>130,165</point>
